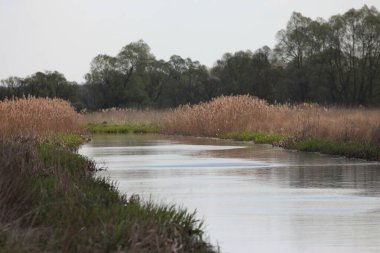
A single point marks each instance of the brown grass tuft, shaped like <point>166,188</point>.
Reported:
<point>36,117</point>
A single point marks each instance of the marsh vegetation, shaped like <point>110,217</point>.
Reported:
<point>52,202</point>
<point>352,132</point>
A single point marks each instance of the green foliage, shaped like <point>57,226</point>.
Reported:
<point>270,138</point>
<point>332,61</point>
<point>351,149</point>
<point>50,84</point>
<point>52,158</point>
<point>3,239</point>
<point>71,141</point>
<point>121,128</point>
<point>245,72</point>
<point>134,78</point>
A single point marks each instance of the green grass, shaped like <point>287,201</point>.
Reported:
<point>62,207</point>
<point>256,137</point>
<point>69,140</point>
<point>348,149</point>
<point>121,128</point>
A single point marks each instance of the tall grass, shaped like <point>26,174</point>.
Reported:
<point>36,117</point>
<point>247,113</point>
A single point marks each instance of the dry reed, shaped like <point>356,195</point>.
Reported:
<point>247,113</point>
<point>36,117</point>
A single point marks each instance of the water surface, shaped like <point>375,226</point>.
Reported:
<point>253,198</point>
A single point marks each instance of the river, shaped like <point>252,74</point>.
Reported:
<point>252,198</point>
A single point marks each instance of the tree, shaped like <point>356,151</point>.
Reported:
<point>186,80</point>
<point>120,81</point>
<point>292,48</point>
<point>245,72</point>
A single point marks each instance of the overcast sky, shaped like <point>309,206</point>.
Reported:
<point>64,35</point>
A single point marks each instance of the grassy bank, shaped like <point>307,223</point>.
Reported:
<point>124,128</point>
<point>122,115</point>
<point>51,202</point>
<point>360,150</point>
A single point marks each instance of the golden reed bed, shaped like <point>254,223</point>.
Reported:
<point>36,117</point>
<point>247,113</point>
<point>28,117</point>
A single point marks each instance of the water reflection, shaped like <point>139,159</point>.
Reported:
<point>254,198</point>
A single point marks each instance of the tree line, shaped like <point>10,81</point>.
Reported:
<point>334,61</point>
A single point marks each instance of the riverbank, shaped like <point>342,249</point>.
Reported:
<point>52,201</point>
<point>351,132</point>
<point>125,128</point>
<point>360,150</point>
